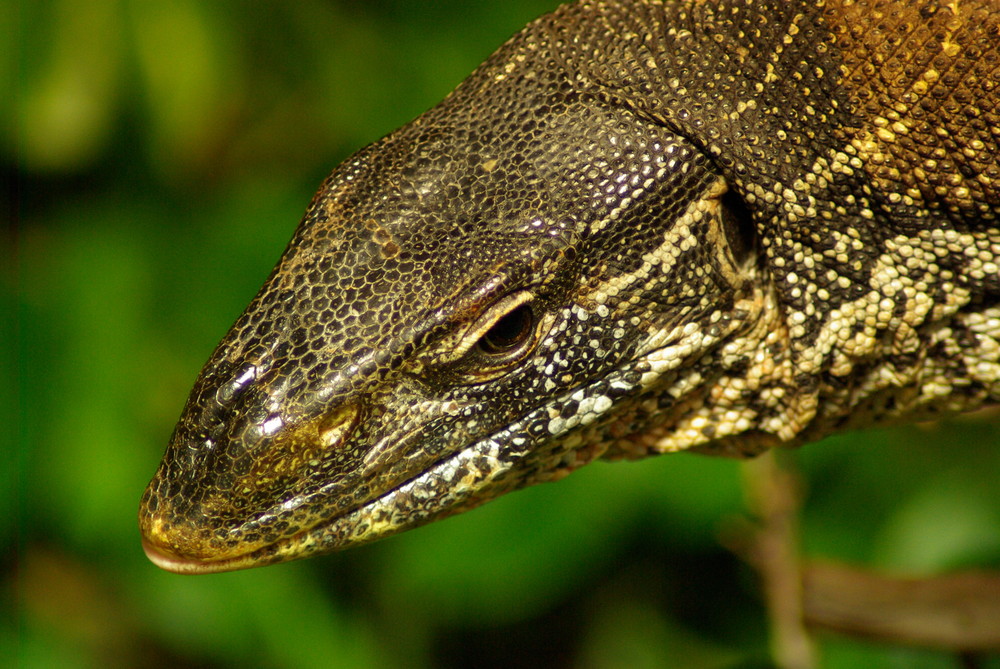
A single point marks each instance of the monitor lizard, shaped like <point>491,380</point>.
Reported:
<point>638,228</point>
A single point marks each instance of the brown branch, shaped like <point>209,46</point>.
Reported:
<point>959,612</point>
<point>773,498</point>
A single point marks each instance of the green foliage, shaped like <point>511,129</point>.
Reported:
<point>164,152</point>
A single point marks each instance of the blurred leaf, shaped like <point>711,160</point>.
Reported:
<point>626,633</point>
<point>951,523</point>
<point>273,617</point>
<point>87,288</point>
<point>505,560</point>
<point>12,51</point>
<point>190,76</point>
<point>70,83</point>
<point>12,404</point>
<point>850,654</point>
<point>31,648</point>
<point>518,554</point>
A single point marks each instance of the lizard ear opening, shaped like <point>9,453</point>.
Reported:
<point>738,227</point>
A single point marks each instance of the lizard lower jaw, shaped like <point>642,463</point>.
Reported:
<point>182,565</point>
<point>175,553</point>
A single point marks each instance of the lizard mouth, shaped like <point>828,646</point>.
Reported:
<point>500,462</point>
<point>447,487</point>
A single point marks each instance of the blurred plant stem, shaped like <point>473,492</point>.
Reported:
<point>958,612</point>
<point>773,496</point>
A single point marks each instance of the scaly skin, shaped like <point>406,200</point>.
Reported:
<point>637,228</point>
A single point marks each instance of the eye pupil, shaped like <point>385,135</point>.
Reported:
<point>512,330</point>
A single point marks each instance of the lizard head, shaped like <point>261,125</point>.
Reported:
<point>479,301</point>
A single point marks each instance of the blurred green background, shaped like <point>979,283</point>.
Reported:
<point>156,158</point>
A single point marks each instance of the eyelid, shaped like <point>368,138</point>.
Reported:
<point>488,319</point>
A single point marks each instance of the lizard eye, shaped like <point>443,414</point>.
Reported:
<point>501,338</point>
<point>509,333</point>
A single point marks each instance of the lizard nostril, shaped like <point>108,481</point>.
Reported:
<point>336,427</point>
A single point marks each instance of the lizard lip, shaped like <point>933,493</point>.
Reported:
<point>178,565</point>
<point>190,565</point>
